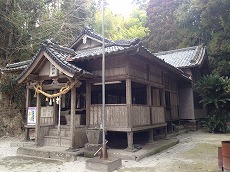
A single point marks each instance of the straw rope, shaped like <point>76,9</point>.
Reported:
<point>68,86</point>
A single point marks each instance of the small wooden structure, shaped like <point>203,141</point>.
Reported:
<point>141,90</point>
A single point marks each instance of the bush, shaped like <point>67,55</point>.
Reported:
<point>215,91</point>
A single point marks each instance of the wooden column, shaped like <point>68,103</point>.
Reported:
<point>129,115</point>
<point>149,101</point>
<point>88,102</point>
<point>38,121</point>
<point>130,140</point>
<point>163,101</point>
<point>28,93</point>
<point>72,125</point>
<point>150,135</point>
<point>129,101</point>
<point>55,115</point>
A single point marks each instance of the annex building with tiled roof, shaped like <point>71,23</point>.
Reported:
<point>144,91</point>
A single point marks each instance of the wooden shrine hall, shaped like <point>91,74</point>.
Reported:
<point>64,94</point>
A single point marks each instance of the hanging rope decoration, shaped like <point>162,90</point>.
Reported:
<point>68,86</point>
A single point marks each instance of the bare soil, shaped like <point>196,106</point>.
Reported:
<point>196,152</point>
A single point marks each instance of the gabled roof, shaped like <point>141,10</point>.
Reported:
<point>57,55</point>
<point>90,33</point>
<point>185,57</point>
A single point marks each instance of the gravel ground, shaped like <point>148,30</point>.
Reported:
<point>196,152</point>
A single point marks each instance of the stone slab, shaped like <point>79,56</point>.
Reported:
<point>21,144</point>
<point>147,150</point>
<point>102,165</point>
<point>50,152</point>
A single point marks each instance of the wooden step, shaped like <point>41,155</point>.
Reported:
<point>62,127</point>
<point>56,141</point>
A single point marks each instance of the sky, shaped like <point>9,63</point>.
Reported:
<point>123,7</point>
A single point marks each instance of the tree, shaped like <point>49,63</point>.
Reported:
<point>161,20</point>
<point>182,23</point>
<point>118,27</point>
<point>24,24</point>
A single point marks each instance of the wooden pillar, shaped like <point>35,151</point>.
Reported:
<point>150,135</point>
<point>149,101</point>
<point>129,101</point>
<point>130,140</point>
<point>129,115</point>
<point>163,103</point>
<point>55,113</point>
<point>72,125</point>
<point>38,121</point>
<point>88,102</point>
<point>28,93</point>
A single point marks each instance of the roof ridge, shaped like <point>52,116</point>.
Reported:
<point>49,44</point>
<point>18,64</point>
<point>176,50</point>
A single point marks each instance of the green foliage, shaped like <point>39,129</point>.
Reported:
<point>118,27</point>
<point>215,91</point>
<point>217,121</point>
<point>161,20</point>
<point>24,24</point>
<point>13,90</point>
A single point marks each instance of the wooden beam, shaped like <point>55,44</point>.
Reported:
<point>49,86</point>
<point>33,77</point>
<point>72,113</point>
<point>38,122</point>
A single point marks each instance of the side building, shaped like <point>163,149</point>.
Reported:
<point>194,62</point>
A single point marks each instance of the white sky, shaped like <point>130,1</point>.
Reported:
<point>123,7</point>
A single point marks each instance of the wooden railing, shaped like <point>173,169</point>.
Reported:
<point>116,115</point>
<point>158,115</point>
<point>140,115</point>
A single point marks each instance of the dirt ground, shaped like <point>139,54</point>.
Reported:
<point>196,152</point>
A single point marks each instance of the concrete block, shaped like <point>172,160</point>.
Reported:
<point>102,165</point>
<point>92,147</point>
<point>94,136</point>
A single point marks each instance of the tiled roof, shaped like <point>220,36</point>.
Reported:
<point>19,66</point>
<point>185,57</point>
<point>127,42</point>
<point>97,51</point>
<point>91,33</point>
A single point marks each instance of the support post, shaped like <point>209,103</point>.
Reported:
<point>150,135</point>
<point>28,93</point>
<point>130,140</point>
<point>129,101</point>
<point>38,121</point>
<point>149,102</point>
<point>88,102</point>
<point>72,125</point>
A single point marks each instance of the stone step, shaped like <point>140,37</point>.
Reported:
<point>56,141</point>
<point>50,152</point>
<point>63,132</point>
